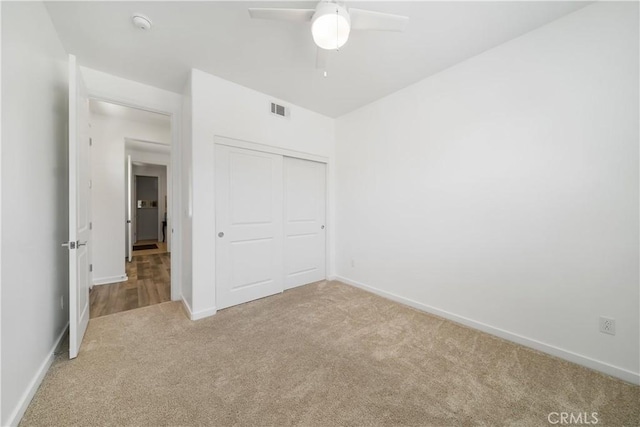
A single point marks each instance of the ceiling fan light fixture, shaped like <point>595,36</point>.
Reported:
<point>330,26</point>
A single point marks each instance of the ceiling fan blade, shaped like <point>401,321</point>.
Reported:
<point>293,15</point>
<point>377,21</point>
<point>322,58</point>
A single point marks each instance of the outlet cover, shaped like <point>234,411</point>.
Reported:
<point>607,325</point>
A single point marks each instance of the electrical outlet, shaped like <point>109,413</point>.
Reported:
<point>61,302</point>
<point>353,262</point>
<point>607,325</point>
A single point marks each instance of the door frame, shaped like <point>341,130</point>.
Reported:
<point>168,175</point>
<point>254,146</point>
<point>129,210</point>
<point>174,223</point>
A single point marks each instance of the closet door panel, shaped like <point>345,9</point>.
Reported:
<point>249,225</point>
<point>304,221</point>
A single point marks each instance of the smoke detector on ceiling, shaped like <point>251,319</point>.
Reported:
<point>141,22</point>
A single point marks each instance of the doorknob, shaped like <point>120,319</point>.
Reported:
<point>70,245</point>
<point>221,234</point>
<point>82,243</point>
<point>322,227</point>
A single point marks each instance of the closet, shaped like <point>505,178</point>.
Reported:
<point>270,224</point>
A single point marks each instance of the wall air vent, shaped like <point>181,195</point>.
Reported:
<point>279,110</point>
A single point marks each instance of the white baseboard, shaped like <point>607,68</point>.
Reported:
<point>109,280</point>
<point>197,315</point>
<point>614,371</point>
<point>28,394</point>
<point>186,307</point>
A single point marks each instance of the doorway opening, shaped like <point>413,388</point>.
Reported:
<point>147,195</point>
<point>131,208</point>
<point>149,188</point>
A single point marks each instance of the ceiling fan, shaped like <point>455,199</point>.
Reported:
<point>332,22</point>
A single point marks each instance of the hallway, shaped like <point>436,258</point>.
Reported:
<point>149,283</point>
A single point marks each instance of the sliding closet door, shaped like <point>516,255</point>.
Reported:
<point>249,226</point>
<point>304,221</point>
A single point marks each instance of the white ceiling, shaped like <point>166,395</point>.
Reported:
<point>278,58</point>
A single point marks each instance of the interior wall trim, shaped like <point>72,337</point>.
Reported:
<point>248,145</point>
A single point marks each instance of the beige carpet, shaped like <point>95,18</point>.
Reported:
<point>324,354</point>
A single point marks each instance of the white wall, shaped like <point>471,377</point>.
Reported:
<point>503,192</point>
<point>159,172</point>
<point>222,108</point>
<point>155,158</point>
<point>122,91</point>
<point>34,201</point>
<point>1,417</point>
<point>108,201</point>
<point>185,191</point>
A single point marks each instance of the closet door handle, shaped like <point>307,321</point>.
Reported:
<point>221,234</point>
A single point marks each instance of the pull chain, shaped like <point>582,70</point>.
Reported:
<point>337,34</point>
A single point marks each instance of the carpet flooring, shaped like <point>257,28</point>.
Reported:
<point>324,354</point>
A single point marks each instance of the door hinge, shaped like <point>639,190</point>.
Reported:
<point>90,142</point>
<point>90,183</point>
<point>90,267</point>
<point>91,226</point>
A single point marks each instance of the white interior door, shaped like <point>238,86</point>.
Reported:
<point>79,208</point>
<point>304,222</point>
<point>129,204</point>
<point>249,230</point>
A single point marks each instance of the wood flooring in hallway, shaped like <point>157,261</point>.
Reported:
<point>149,283</point>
